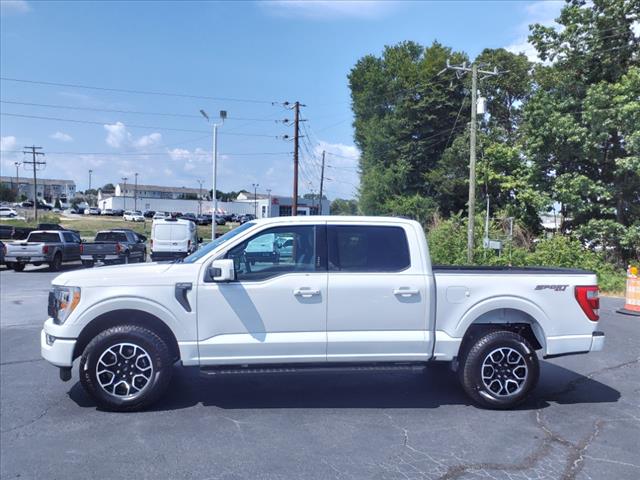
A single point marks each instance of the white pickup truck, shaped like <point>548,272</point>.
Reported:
<point>354,292</point>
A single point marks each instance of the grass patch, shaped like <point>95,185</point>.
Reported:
<point>89,225</point>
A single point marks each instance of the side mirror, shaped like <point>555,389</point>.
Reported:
<point>199,239</point>
<point>221,271</point>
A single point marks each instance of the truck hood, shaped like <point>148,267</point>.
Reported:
<point>147,274</point>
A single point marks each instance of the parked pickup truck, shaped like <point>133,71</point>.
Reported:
<point>44,246</point>
<point>113,246</point>
<point>355,291</point>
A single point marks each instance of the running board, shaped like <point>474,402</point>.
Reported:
<point>311,368</point>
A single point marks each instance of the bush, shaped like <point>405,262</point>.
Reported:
<point>448,246</point>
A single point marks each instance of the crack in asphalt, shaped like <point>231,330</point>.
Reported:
<point>574,459</point>
<point>16,362</point>
<point>30,422</point>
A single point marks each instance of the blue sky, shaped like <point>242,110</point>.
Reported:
<point>243,55</point>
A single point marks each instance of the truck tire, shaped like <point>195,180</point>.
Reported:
<point>499,369</point>
<point>56,263</point>
<point>18,267</point>
<point>87,263</point>
<point>126,368</point>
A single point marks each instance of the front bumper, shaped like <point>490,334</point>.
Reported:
<point>57,351</point>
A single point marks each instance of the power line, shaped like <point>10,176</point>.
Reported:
<point>137,92</point>
<point>143,154</point>
<point>149,127</point>
<point>133,112</point>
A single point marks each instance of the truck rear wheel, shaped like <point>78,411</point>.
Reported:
<point>56,263</point>
<point>126,368</point>
<point>18,267</point>
<point>499,369</point>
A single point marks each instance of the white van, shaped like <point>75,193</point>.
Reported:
<point>173,238</point>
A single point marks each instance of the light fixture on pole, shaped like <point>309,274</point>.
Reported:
<point>223,115</point>
<point>255,199</point>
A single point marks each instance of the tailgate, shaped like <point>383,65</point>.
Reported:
<point>106,248</point>
<point>24,249</point>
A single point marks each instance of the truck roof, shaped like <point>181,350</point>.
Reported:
<point>334,219</point>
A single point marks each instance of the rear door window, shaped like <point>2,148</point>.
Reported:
<point>111,237</point>
<point>355,248</point>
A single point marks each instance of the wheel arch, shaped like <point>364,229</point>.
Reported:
<point>128,316</point>
<point>508,313</point>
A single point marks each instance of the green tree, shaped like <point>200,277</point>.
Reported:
<point>581,123</point>
<point>7,194</point>
<point>344,207</point>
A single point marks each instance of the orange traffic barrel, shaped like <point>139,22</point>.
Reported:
<point>632,297</point>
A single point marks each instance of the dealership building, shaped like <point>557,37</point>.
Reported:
<point>193,200</point>
<point>47,189</point>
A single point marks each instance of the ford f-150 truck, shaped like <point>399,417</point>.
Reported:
<point>44,246</point>
<point>114,246</point>
<point>355,291</point>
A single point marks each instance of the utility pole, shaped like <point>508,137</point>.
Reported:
<point>124,193</point>
<point>36,166</point>
<point>135,192</point>
<point>472,141</point>
<point>296,138</point>
<point>269,207</point>
<point>17,164</point>
<point>255,199</point>
<point>321,185</point>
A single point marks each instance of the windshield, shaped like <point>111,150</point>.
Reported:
<point>203,251</point>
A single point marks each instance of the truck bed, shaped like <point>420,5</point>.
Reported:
<point>473,269</point>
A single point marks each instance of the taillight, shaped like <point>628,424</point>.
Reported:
<point>118,248</point>
<point>151,244</point>
<point>587,297</point>
<point>45,249</point>
<point>81,249</point>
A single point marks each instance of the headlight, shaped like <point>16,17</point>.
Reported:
<point>63,301</point>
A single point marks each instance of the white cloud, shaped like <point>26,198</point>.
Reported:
<point>61,136</point>
<point>148,140</point>
<point>329,9</point>
<point>119,137</point>
<point>191,160</point>
<point>9,7</point>
<point>543,12</point>
<point>8,143</point>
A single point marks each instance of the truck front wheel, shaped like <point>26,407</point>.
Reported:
<point>126,368</point>
<point>499,369</point>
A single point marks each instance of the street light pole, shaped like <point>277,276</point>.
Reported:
<point>17,164</point>
<point>223,115</point>
<point>255,199</point>
<point>200,198</point>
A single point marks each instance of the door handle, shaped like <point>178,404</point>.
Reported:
<point>406,292</point>
<point>305,292</point>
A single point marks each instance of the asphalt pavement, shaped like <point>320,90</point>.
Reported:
<point>582,422</point>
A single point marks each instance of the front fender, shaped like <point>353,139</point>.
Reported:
<point>181,329</point>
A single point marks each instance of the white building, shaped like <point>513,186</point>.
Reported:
<point>193,200</point>
<point>48,189</point>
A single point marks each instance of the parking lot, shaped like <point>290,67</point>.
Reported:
<point>583,421</point>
